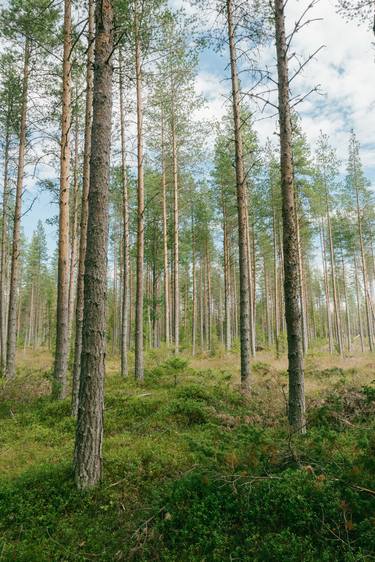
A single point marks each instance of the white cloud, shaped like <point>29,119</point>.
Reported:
<point>344,69</point>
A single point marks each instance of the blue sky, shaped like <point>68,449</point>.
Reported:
<point>344,69</point>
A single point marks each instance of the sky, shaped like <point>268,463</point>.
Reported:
<point>344,69</point>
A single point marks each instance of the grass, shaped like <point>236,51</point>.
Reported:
<point>193,470</point>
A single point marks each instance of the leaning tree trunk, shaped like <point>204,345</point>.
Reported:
<point>10,367</point>
<point>62,317</point>
<point>84,208</point>
<point>241,209</point>
<point>139,351</point>
<point>89,433</point>
<point>290,242</point>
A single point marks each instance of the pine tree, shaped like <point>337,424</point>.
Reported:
<point>89,434</point>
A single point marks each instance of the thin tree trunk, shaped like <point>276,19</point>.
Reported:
<point>59,386</point>
<point>336,303</point>
<point>347,313</point>
<point>4,251</point>
<point>227,311</point>
<point>358,305</point>
<point>326,290</point>
<point>89,433</point>
<point>165,239</point>
<point>364,273</point>
<point>305,339</point>
<point>84,208</point>
<point>74,228</point>
<point>276,284</point>
<point>139,351</point>
<point>176,245</point>
<point>251,288</point>
<point>10,368</point>
<point>201,305</point>
<point>241,208</point>
<point>126,247</point>
<point>209,304</point>
<point>290,242</point>
<point>194,296</point>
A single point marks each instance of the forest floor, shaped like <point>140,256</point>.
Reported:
<point>193,470</point>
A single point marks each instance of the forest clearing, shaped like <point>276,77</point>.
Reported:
<point>187,281</point>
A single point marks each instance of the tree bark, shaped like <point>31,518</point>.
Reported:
<point>364,272</point>
<point>275,276</point>
<point>139,351</point>
<point>84,207</point>
<point>4,250</point>
<point>176,246</point>
<point>59,386</point>
<point>336,303</point>
<point>165,239</point>
<point>360,325</point>
<point>74,228</point>
<point>10,368</point>
<point>227,291</point>
<point>326,289</point>
<point>89,433</point>
<point>290,242</point>
<point>126,248</point>
<point>241,209</point>
<point>194,296</point>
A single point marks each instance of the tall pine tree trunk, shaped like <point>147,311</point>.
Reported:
<point>62,317</point>
<point>227,309</point>
<point>89,433</point>
<point>126,248</point>
<point>241,208</point>
<point>364,273</point>
<point>326,289</point>
<point>360,324</point>
<point>10,368</point>
<point>4,250</point>
<point>290,241</point>
<point>84,207</point>
<point>165,238</point>
<point>336,303</point>
<point>194,295</point>
<point>176,245</point>
<point>275,281</point>
<point>139,351</point>
<point>74,227</point>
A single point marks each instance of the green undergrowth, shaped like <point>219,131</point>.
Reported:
<point>193,471</point>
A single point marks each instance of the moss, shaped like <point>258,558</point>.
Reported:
<point>193,470</point>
